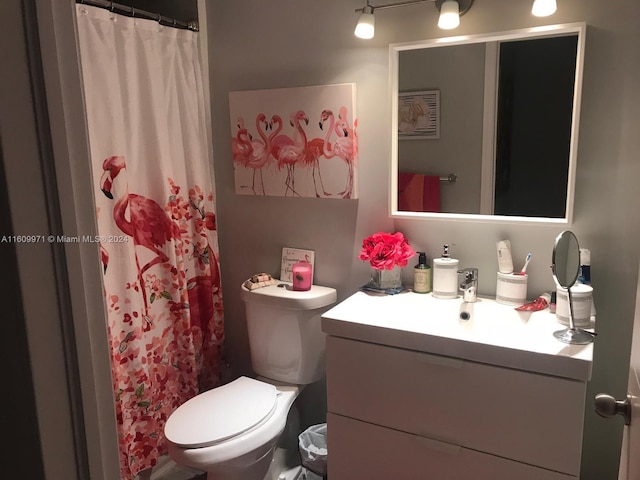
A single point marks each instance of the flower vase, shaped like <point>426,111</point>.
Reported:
<point>386,279</point>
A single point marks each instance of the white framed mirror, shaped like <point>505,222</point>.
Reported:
<point>485,127</point>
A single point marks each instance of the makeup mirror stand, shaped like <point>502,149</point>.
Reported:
<point>566,267</point>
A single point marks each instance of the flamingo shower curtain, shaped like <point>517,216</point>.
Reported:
<point>154,196</point>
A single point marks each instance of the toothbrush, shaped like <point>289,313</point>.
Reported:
<point>526,263</point>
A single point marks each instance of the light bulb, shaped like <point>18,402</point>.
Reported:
<point>449,15</point>
<point>543,8</point>
<point>366,24</point>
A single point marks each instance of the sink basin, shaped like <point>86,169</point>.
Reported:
<point>484,331</point>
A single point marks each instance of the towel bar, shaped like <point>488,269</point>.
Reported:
<point>451,178</point>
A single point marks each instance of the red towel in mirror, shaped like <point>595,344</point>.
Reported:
<point>418,193</point>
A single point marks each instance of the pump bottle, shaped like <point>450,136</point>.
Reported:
<point>422,275</point>
<point>445,275</point>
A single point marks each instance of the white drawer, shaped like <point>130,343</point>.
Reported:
<point>531,418</point>
<point>364,451</point>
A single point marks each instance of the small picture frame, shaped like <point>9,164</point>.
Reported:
<point>419,115</point>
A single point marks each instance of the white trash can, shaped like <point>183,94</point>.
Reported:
<point>313,449</point>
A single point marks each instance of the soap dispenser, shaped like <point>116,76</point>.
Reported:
<point>445,275</point>
<point>422,275</point>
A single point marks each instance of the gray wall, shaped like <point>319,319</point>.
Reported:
<point>255,44</point>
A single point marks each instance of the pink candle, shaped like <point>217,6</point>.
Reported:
<point>302,274</point>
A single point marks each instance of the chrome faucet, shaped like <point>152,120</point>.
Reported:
<point>469,284</point>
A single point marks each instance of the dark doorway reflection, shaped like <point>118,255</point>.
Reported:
<point>535,104</point>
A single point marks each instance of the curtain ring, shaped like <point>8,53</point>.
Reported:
<point>174,22</point>
<point>133,12</point>
<point>111,7</point>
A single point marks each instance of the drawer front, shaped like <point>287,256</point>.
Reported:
<point>531,418</point>
<point>361,450</point>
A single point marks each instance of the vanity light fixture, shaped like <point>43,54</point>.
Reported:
<point>450,13</point>
<point>366,23</point>
<point>544,8</point>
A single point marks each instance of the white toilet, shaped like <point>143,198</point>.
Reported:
<point>231,432</point>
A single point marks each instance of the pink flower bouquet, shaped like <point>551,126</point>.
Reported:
<point>386,250</point>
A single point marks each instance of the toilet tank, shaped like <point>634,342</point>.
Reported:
<point>285,338</point>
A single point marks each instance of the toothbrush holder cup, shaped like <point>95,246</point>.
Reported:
<point>511,289</point>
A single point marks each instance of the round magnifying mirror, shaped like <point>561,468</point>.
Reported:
<point>566,259</point>
<point>566,268</point>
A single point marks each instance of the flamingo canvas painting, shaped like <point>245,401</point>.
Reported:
<point>295,142</point>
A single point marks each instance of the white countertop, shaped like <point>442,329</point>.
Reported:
<point>495,334</point>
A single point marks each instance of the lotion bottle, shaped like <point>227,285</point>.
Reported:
<point>585,275</point>
<point>445,275</point>
<point>422,275</point>
<point>505,260</point>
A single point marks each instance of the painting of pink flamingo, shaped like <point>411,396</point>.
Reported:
<point>252,153</point>
<point>312,154</point>
<point>346,147</point>
<point>241,144</point>
<point>261,151</point>
<point>241,147</point>
<point>141,219</point>
<point>275,120</point>
<point>307,161</point>
<point>289,151</point>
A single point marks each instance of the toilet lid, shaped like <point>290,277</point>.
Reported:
<point>221,413</point>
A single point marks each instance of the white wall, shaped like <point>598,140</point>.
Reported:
<point>256,44</point>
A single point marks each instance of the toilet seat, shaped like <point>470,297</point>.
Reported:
<point>221,413</point>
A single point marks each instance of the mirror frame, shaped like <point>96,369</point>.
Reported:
<point>578,28</point>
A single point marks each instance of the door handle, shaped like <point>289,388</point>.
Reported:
<point>607,406</point>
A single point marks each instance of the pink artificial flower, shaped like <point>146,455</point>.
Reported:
<point>386,250</point>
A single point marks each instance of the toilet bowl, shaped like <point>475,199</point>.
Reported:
<point>231,432</point>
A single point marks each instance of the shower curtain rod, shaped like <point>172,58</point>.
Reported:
<point>135,12</point>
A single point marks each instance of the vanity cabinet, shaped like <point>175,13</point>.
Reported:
<point>395,412</point>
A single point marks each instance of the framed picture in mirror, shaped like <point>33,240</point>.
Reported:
<point>419,115</point>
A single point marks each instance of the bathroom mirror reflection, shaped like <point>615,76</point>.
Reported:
<point>498,111</point>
